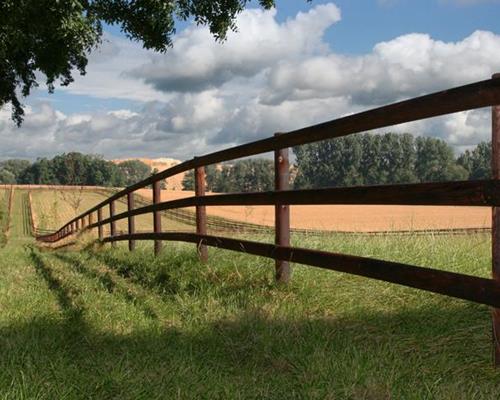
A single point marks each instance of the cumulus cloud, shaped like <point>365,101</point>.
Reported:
<point>407,66</point>
<point>107,75</point>
<point>158,129</point>
<point>268,77</point>
<point>197,62</point>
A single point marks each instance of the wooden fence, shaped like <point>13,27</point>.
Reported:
<point>465,193</point>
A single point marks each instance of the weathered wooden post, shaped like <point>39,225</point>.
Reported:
<point>201,212</point>
<point>157,215</point>
<point>112,224</point>
<point>282,211</point>
<point>131,220</point>
<point>77,224</point>
<point>495,223</point>
<point>100,228</point>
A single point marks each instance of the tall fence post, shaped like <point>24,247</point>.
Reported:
<point>131,220</point>
<point>112,224</point>
<point>100,228</point>
<point>495,224</point>
<point>201,212</point>
<point>282,211</point>
<point>157,215</point>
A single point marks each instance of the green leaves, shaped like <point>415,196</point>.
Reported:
<point>55,37</point>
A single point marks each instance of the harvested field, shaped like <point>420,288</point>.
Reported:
<point>353,217</point>
<point>53,208</point>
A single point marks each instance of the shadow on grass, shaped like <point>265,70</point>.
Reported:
<point>441,351</point>
<point>108,283</point>
<point>252,356</point>
<point>63,295</point>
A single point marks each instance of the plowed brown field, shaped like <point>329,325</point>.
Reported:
<point>353,217</point>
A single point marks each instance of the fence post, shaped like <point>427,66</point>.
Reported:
<point>157,215</point>
<point>201,212</point>
<point>495,224</point>
<point>131,220</point>
<point>77,224</point>
<point>100,228</point>
<point>112,224</point>
<point>282,211</point>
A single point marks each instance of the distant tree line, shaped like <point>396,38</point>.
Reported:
<point>367,159</point>
<point>363,159</point>
<point>73,169</point>
<point>242,176</point>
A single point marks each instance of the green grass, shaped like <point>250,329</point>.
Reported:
<point>4,216</point>
<point>106,323</point>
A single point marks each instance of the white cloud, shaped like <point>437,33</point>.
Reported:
<point>267,77</point>
<point>197,62</point>
<point>107,76</point>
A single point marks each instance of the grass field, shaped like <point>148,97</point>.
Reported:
<point>105,323</point>
<point>4,215</point>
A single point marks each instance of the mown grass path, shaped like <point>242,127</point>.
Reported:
<point>106,324</point>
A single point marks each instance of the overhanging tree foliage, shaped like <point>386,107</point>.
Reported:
<point>55,37</point>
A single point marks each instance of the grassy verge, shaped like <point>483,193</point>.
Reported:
<point>4,216</point>
<point>105,323</point>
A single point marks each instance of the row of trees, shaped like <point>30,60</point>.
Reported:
<point>73,169</point>
<point>363,159</point>
<point>243,176</point>
<point>368,159</point>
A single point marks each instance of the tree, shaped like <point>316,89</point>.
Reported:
<point>370,159</point>
<point>251,175</point>
<point>334,162</point>
<point>436,162</point>
<point>134,171</point>
<point>477,161</point>
<point>15,167</point>
<point>56,37</point>
<point>6,177</point>
<point>73,169</point>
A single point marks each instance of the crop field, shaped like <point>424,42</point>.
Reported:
<point>351,218</point>
<point>53,208</point>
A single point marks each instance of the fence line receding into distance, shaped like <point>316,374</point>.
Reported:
<point>468,193</point>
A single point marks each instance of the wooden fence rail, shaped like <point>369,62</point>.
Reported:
<point>469,193</point>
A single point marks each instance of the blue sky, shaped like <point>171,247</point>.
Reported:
<point>282,70</point>
<point>365,23</point>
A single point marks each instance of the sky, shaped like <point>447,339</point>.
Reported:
<point>299,64</point>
